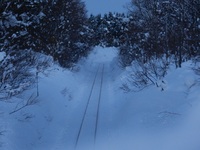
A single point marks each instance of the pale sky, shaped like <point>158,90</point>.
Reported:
<point>104,6</point>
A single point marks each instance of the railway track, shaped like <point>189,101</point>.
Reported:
<point>95,97</point>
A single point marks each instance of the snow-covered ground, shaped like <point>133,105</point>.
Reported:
<point>147,120</point>
<point>2,55</point>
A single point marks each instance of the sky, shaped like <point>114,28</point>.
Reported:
<point>104,6</point>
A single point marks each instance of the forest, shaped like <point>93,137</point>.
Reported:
<point>152,35</point>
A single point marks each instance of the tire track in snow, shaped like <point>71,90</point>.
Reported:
<point>98,106</point>
<point>86,108</point>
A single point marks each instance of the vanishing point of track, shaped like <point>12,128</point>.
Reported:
<point>87,104</point>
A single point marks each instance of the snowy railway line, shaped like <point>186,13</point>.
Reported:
<point>87,110</point>
<point>98,81</point>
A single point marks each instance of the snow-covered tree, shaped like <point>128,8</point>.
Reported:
<point>160,30</point>
<point>166,27</point>
<point>62,30</point>
<point>108,30</point>
<point>54,27</point>
<point>16,42</point>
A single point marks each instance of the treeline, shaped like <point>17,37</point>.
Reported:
<point>108,29</point>
<point>53,27</point>
<point>153,35</point>
<point>60,28</point>
<point>164,28</point>
<point>27,27</point>
<point>152,28</point>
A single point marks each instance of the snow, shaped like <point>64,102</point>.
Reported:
<point>2,55</point>
<point>145,120</point>
<point>105,6</point>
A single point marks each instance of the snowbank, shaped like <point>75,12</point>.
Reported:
<point>2,55</point>
<point>145,120</point>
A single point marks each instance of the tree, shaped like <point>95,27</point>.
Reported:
<point>160,30</point>
<point>16,42</point>
<point>63,30</point>
<point>53,27</point>
<point>167,28</point>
